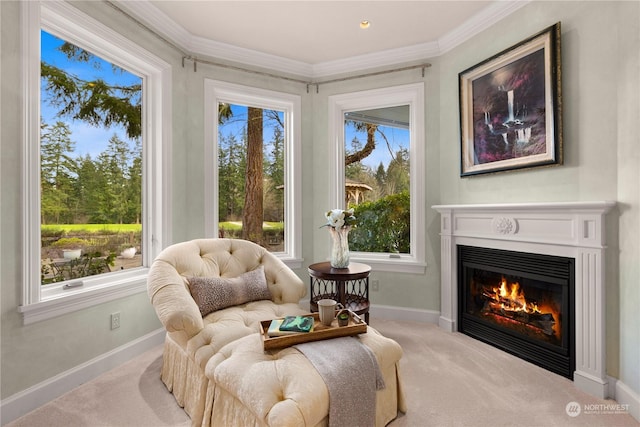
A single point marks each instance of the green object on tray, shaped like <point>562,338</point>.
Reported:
<point>297,324</point>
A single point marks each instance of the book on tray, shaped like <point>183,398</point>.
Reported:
<point>290,325</point>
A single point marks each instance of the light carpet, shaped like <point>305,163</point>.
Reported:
<point>449,380</point>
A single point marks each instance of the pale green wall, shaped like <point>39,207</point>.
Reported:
<point>628,194</point>
<point>600,90</point>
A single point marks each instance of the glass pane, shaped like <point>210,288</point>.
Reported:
<point>251,151</point>
<point>377,178</point>
<point>91,164</point>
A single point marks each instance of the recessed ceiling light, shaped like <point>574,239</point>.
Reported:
<point>364,24</point>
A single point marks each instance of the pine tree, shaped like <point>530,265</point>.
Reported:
<point>57,170</point>
<point>92,101</point>
<point>114,165</point>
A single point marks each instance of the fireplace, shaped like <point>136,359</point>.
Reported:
<point>519,302</point>
<point>569,230</point>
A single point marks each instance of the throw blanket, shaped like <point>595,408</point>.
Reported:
<point>352,375</point>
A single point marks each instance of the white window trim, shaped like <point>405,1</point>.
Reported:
<point>44,302</point>
<point>412,95</point>
<point>217,91</point>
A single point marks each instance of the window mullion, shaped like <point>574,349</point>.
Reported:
<point>30,13</point>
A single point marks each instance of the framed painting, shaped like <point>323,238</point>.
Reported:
<point>511,107</point>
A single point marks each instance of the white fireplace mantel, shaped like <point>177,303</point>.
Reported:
<point>573,229</point>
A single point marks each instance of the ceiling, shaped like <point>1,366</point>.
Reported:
<point>318,37</point>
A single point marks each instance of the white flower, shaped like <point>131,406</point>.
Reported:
<point>338,218</point>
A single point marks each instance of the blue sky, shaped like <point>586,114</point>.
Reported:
<point>238,122</point>
<point>88,139</point>
<point>398,138</point>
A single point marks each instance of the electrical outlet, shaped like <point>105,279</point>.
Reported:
<point>115,320</point>
<point>375,285</point>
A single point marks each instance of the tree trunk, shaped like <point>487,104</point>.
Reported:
<point>252,214</point>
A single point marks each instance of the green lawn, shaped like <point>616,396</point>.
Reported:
<point>237,225</point>
<point>126,228</point>
<point>93,228</point>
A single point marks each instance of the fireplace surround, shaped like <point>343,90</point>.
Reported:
<point>573,230</point>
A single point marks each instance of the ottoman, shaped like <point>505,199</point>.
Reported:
<point>252,387</point>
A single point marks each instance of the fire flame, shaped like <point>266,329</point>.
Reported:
<point>513,298</point>
<point>507,301</point>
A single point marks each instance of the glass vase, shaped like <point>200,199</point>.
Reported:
<point>340,248</point>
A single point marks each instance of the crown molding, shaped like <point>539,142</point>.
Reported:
<point>381,58</point>
<point>211,48</point>
<point>479,22</point>
<point>145,12</point>
<point>157,21</point>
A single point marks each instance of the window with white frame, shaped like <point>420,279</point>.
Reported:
<point>94,174</point>
<point>252,153</point>
<point>377,147</point>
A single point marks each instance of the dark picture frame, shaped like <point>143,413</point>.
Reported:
<point>511,107</point>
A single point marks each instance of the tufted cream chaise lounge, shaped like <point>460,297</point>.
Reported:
<point>225,345</point>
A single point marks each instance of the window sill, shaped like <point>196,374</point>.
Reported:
<point>76,299</point>
<point>396,265</point>
<point>292,263</point>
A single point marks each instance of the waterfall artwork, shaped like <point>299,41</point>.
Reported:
<point>509,111</point>
<point>510,107</point>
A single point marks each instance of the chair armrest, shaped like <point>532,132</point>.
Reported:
<point>172,301</point>
<point>285,285</point>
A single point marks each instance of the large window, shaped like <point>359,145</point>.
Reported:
<point>94,172</point>
<point>90,164</point>
<point>379,172</point>
<point>252,155</point>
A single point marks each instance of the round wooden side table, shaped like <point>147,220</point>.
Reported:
<point>349,286</point>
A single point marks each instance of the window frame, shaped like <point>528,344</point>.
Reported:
<point>412,95</point>
<point>215,92</point>
<point>63,20</point>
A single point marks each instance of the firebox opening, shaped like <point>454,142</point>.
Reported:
<point>519,302</point>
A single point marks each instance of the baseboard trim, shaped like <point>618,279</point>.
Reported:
<point>32,398</point>
<point>404,314</point>
<point>624,395</point>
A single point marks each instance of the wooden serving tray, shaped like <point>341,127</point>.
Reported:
<point>320,332</point>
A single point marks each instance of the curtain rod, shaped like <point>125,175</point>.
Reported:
<point>374,73</point>
<point>308,83</point>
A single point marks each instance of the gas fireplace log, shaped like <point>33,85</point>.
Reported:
<point>502,300</point>
<point>529,317</point>
<point>542,321</point>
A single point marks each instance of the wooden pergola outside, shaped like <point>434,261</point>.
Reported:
<point>353,191</point>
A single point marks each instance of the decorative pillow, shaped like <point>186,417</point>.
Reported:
<point>215,293</point>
